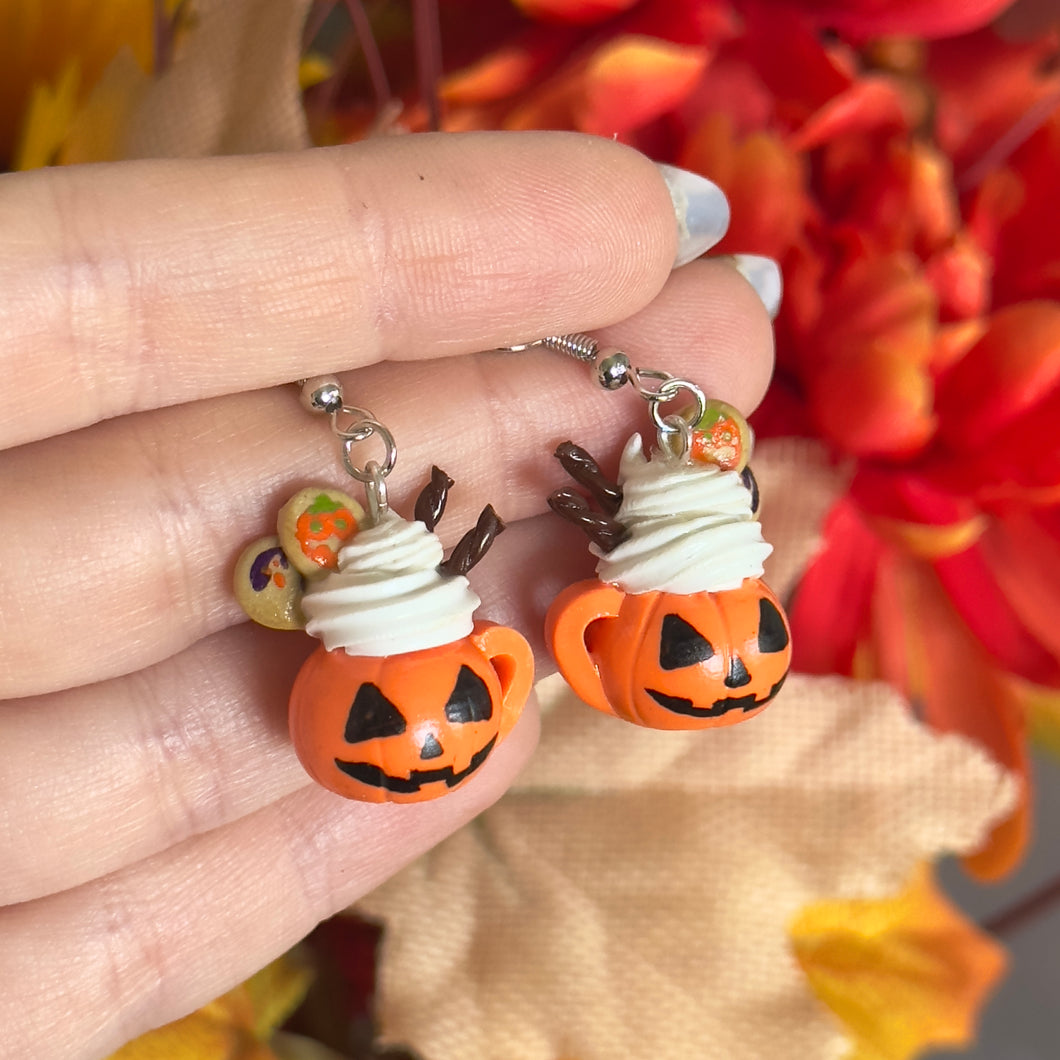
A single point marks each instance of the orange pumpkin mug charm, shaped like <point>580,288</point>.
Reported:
<point>678,630</point>
<point>408,694</point>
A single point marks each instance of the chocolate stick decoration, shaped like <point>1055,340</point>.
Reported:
<point>475,543</point>
<point>601,529</point>
<point>586,472</point>
<point>430,504</point>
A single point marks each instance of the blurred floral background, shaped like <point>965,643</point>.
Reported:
<point>899,159</point>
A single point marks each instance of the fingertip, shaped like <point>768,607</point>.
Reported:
<point>608,219</point>
<point>709,326</point>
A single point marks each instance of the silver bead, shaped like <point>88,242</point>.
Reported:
<point>322,394</point>
<point>613,369</point>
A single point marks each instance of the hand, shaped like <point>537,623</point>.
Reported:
<point>160,841</point>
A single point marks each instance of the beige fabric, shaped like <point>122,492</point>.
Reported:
<point>630,898</point>
<point>798,485</point>
<point>233,89</point>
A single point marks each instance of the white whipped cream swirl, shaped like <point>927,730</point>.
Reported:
<point>691,527</point>
<point>388,596</point>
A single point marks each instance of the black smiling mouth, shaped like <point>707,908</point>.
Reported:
<point>373,776</point>
<point>681,705</point>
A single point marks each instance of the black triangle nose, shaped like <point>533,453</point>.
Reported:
<point>737,676</point>
<point>430,748</point>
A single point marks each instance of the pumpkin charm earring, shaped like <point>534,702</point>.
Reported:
<point>408,694</point>
<point>678,630</point>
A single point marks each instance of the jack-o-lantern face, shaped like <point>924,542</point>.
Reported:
<point>669,661</point>
<point>407,728</point>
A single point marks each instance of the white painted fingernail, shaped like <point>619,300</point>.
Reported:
<point>764,275</point>
<point>701,209</point>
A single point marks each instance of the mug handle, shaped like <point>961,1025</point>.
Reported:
<point>512,660</point>
<point>571,614</point>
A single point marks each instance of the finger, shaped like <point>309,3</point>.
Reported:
<point>155,516</point>
<point>200,740</point>
<point>148,944</point>
<point>157,282</point>
<point>191,744</point>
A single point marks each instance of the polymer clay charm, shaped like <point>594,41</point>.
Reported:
<point>314,524</point>
<point>407,694</point>
<point>267,587</point>
<point>678,630</point>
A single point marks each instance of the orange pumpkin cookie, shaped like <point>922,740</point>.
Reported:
<point>314,524</point>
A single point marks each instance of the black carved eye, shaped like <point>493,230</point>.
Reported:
<point>681,644</point>
<point>772,633</point>
<point>372,715</point>
<point>470,699</point>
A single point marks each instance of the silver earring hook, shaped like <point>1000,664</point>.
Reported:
<point>613,370</point>
<point>353,426</point>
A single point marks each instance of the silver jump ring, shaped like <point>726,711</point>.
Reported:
<point>375,492</point>
<point>667,392</point>
<point>646,392</point>
<point>366,474</point>
<point>678,429</point>
<point>360,423</point>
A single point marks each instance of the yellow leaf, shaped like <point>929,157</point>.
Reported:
<point>314,69</point>
<point>97,129</point>
<point>235,1026</point>
<point>47,121</point>
<point>1043,716</point>
<point>41,40</point>
<point>902,973</point>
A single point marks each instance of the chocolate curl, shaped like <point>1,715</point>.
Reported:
<point>475,543</point>
<point>602,530</point>
<point>430,504</point>
<point>586,472</point>
<point>747,476</point>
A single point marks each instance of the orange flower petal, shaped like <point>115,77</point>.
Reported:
<point>953,341</point>
<point>924,648</point>
<point>901,973</point>
<point>575,12</point>
<point>917,18</point>
<point>633,80</point>
<point>873,403</point>
<point>1012,368</point>
<point>508,70</point>
<point>1028,243</point>
<point>898,196</point>
<point>792,59</point>
<point>960,275</point>
<point>974,589</point>
<point>830,611</point>
<point>984,87</point>
<point>868,104</point>
<point>1024,558</point>
<point>877,303</point>
<point>764,180</point>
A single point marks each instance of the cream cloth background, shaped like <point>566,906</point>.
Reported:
<point>631,896</point>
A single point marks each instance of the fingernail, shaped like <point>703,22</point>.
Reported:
<point>764,275</point>
<point>701,209</point>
